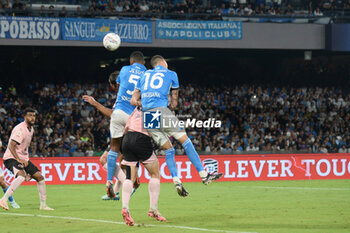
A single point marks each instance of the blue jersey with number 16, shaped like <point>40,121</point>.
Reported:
<point>127,79</point>
<point>155,86</point>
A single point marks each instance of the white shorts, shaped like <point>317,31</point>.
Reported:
<point>1,172</point>
<point>161,136</point>
<point>118,122</point>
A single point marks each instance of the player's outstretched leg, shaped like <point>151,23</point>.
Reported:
<point>111,161</point>
<point>14,185</point>
<point>42,191</point>
<point>127,190</point>
<point>127,217</point>
<point>195,160</point>
<point>170,162</point>
<point>154,190</point>
<point>5,187</point>
<point>116,189</point>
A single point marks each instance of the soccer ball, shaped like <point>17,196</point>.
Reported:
<point>111,41</point>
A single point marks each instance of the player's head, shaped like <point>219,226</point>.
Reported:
<point>137,57</point>
<point>158,60</point>
<point>29,116</point>
<point>113,79</point>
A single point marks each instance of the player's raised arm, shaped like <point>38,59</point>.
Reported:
<point>136,98</point>
<point>105,111</point>
<point>174,98</point>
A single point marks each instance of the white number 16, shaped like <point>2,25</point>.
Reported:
<point>156,76</point>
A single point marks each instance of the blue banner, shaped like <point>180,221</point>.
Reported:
<point>30,28</point>
<point>198,30</point>
<point>338,37</point>
<point>95,29</point>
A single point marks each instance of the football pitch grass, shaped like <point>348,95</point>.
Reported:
<point>264,206</point>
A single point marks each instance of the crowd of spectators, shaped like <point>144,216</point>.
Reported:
<point>156,8</point>
<point>253,119</point>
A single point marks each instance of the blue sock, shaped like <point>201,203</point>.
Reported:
<point>111,161</point>
<point>10,198</point>
<point>170,161</point>
<point>192,155</point>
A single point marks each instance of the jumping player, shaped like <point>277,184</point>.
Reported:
<point>119,174</point>
<point>137,147</point>
<point>16,160</point>
<point>152,92</point>
<point>125,85</point>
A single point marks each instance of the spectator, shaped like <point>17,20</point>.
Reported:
<point>63,12</point>
<point>102,5</point>
<point>343,149</point>
<point>289,10</point>
<point>51,12</point>
<point>119,7</point>
<point>89,152</point>
<point>17,5</point>
<point>78,153</point>
<point>144,7</point>
<point>318,12</point>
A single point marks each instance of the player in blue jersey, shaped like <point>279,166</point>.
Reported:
<point>125,86</point>
<point>152,93</point>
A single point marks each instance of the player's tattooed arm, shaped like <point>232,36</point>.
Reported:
<point>105,111</point>
<point>174,98</point>
<point>12,147</point>
<point>136,98</point>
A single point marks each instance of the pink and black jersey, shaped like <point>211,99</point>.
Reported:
<point>23,136</point>
<point>134,123</point>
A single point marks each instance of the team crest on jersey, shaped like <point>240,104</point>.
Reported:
<point>152,119</point>
<point>18,133</point>
<point>211,166</point>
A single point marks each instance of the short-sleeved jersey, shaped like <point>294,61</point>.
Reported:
<point>135,123</point>
<point>127,81</point>
<point>23,136</point>
<point>155,86</point>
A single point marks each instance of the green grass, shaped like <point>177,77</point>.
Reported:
<point>231,206</point>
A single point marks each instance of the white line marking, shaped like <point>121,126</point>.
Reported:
<point>122,223</point>
<point>297,188</point>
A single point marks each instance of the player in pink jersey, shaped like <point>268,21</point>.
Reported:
<point>136,138</point>
<point>16,160</point>
<point>137,147</point>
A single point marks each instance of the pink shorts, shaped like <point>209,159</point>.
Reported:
<point>151,159</point>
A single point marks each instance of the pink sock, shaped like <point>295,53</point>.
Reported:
<point>119,174</point>
<point>42,190</point>
<point>117,186</point>
<point>14,185</point>
<point>154,190</point>
<point>127,190</point>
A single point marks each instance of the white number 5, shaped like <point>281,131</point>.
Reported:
<point>132,79</point>
<point>156,76</point>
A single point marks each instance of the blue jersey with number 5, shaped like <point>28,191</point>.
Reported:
<point>127,79</point>
<point>155,86</point>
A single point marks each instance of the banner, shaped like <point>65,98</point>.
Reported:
<point>338,37</point>
<point>95,29</point>
<point>30,28</point>
<point>88,170</point>
<point>198,30</point>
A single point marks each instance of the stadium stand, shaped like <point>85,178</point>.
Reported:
<point>254,119</point>
<point>179,9</point>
